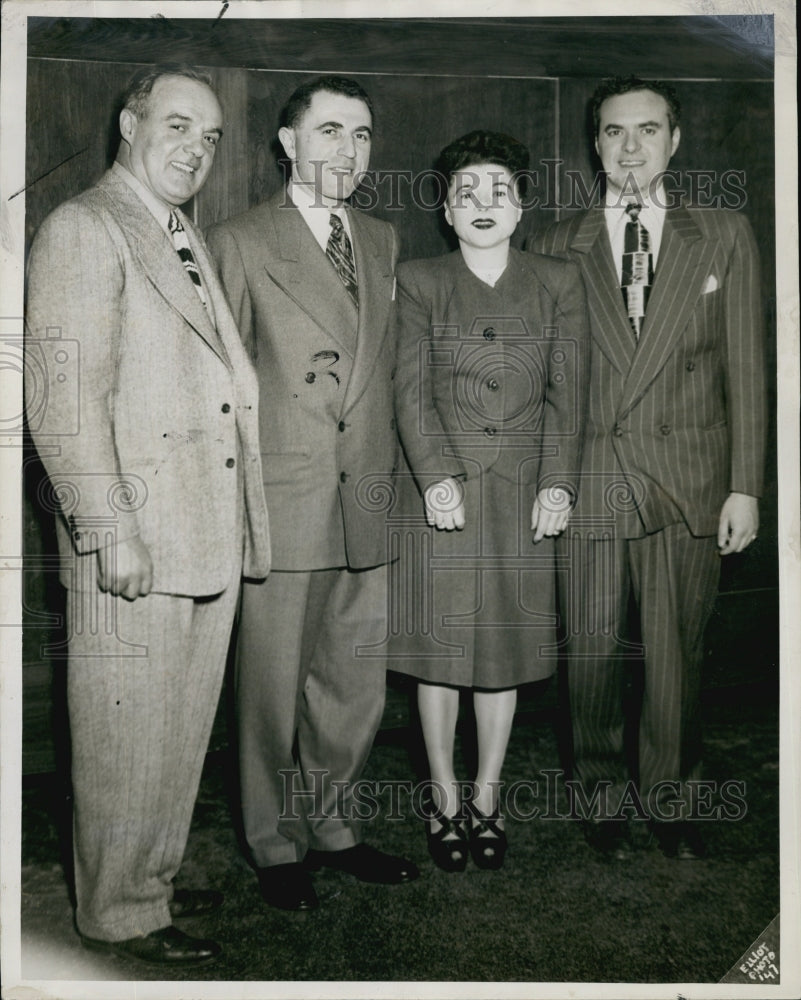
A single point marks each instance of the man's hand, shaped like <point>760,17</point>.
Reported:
<point>739,522</point>
<point>550,512</point>
<point>125,569</point>
<point>445,505</point>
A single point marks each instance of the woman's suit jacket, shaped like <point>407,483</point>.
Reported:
<point>143,413</point>
<point>492,378</point>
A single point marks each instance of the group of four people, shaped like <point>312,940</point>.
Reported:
<point>595,403</point>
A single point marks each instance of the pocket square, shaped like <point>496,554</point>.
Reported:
<point>711,285</point>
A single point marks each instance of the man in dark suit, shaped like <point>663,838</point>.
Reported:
<point>149,436</point>
<point>672,463</point>
<point>311,283</point>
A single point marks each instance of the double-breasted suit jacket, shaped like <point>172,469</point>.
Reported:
<point>143,406</point>
<point>490,388</point>
<point>308,704</point>
<point>676,420</point>
<point>325,373</point>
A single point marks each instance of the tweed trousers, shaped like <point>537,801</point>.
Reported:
<point>144,679</point>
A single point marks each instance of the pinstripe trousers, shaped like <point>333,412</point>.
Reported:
<point>673,578</point>
<point>144,679</point>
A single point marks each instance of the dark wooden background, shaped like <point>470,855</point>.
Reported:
<point>430,81</point>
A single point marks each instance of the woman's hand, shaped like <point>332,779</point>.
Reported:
<point>550,512</point>
<point>445,505</point>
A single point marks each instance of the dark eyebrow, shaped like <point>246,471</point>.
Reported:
<point>176,115</point>
<point>653,124</point>
<point>359,128</point>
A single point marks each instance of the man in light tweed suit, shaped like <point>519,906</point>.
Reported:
<point>672,462</point>
<point>162,506</point>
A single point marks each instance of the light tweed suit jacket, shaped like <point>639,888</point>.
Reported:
<point>676,420</point>
<point>144,415</point>
<point>328,435</point>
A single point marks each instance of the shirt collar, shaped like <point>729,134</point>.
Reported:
<point>306,199</point>
<point>616,203</point>
<point>157,208</point>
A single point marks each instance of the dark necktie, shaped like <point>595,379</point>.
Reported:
<point>181,243</point>
<point>340,253</point>
<point>638,268</point>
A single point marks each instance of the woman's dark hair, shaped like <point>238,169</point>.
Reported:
<point>482,147</point>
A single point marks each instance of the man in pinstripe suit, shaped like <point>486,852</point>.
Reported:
<point>672,463</point>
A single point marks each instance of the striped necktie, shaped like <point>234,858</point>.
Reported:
<point>181,242</point>
<point>638,268</point>
<point>340,253</point>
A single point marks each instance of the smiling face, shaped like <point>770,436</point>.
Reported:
<point>634,139</point>
<point>172,148</point>
<point>482,205</point>
<point>330,145</point>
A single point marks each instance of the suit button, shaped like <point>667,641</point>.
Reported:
<point>226,407</point>
<point>310,376</point>
<point>489,333</point>
<point>343,477</point>
<point>489,432</point>
<point>76,535</point>
<point>342,425</point>
<point>617,431</point>
<point>665,429</point>
<point>230,463</point>
<point>392,424</point>
<point>690,366</point>
<point>492,384</point>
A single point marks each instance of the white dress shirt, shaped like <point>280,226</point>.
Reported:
<point>316,214</point>
<point>652,216</point>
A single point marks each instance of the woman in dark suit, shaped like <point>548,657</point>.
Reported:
<point>489,389</point>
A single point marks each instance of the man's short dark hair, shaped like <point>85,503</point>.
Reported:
<point>136,94</point>
<point>482,147</point>
<point>300,101</point>
<point>616,85</point>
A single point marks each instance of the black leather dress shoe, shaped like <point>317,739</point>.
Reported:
<point>287,887</point>
<point>681,841</point>
<point>610,838</point>
<point>366,864</point>
<point>194,902</point>
<point>167,947</point>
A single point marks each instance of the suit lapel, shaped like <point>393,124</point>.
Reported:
<point>158,258</point>
<point>611,328</point>
<point>304,273</point>
<point>678,282</point>
<point>374,274</point>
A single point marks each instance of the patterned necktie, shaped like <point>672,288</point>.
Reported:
<point>638,268</point>
<point>184,251</point>
<point>340,253</point>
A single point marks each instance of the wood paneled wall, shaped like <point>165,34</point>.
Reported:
<point>72,138</point>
